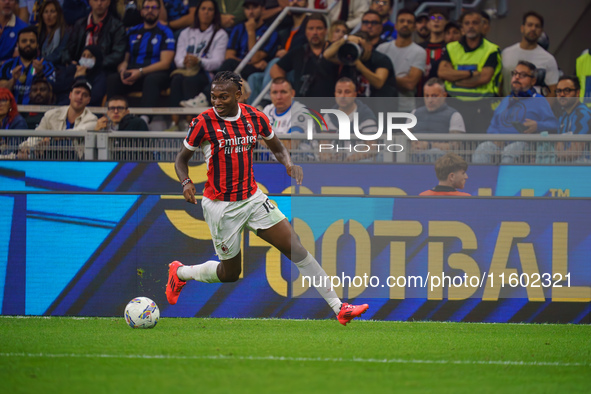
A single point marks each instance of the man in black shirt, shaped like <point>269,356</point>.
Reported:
<point>373,71</point>
<point>313,76</point>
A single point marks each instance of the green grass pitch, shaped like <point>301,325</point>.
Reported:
<point>104,355</point>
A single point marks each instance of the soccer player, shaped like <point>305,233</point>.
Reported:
<point>231,200</point>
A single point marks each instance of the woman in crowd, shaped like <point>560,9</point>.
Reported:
<point>201,49</point>
<point>88,67</point>
<point>9,116</point>
<point>10,119</point>
<point>53,34</point>
<point>338,29</point>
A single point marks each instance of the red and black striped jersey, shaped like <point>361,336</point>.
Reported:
<point>227,144</point>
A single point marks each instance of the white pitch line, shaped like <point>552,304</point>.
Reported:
<point>298,359</point>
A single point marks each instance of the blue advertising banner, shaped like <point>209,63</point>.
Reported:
<point>343,179</point>
<point>507,260</point>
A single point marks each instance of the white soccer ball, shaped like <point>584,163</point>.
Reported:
<point>142,312</point>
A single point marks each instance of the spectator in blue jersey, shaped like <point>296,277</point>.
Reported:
<point>10,25</point>
<point>178,14</point>
<point>17,74</point>
<point>200,51</point>
<point>53,35</point>
<point>574,119</point>
<point>244,36</point>
<point>523,111</point>
<point>100,28</point>
<point>146,66</point>
<point>384,9</point>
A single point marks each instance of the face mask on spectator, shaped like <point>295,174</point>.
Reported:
<point>87,62</point>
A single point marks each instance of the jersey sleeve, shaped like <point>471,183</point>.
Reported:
<point>197,134</point>
<point>5,70</point>
<point>169,41</point>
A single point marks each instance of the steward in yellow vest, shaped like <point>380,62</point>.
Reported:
<point>471,67</point>
<point>584,75</point>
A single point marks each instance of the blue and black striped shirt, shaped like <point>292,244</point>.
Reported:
<point>577,122</point>
<point>22,87</point>
<point>145,45</point>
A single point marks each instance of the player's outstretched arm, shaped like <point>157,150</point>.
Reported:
<point>282,155</point>
<point>181,166</point>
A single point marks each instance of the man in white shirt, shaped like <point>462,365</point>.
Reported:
<point>529,50</point>
<point>408,58</point>
<point>76,116</point>
<point>286,118</point>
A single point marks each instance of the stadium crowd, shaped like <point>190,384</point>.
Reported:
<point>164,53</point>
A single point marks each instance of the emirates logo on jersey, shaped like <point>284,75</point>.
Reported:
<point>237,144</point>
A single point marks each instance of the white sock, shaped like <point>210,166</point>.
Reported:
<point>310,267</point>
<point>206,272</point>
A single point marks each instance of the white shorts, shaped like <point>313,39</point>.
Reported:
<point>227,219</point>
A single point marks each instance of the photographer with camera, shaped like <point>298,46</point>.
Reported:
<point>312,75</point>
<point>372,71</point>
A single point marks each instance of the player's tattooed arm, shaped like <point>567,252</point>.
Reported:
<point>282,155</point>
<point>181,166</point>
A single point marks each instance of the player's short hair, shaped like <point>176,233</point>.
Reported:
<point>406,11</point>
<point>469,12</point>
<point>372,12</point>
<point>347,79</point>
<point>317,17</point>
<point>28,29</point>
<point>448,163</point>
<point>573,78</point>
<point>280,80</point>
<point>118,98</point>
<point>485,15</point>
<point>535,15</point>
<point>228,76</point>
<point>436,81</point>
<point>531,66</point>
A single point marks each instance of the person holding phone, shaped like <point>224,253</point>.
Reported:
<point>523,111</point>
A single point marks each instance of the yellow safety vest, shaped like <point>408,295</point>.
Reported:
<point>584,75</point>
<point>474,60</point>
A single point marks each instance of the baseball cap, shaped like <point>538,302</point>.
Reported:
<point>82,83</point>
<point>422,15</point>
<point>255,2</point>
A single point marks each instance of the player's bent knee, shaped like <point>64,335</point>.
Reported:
<point>231,277</point>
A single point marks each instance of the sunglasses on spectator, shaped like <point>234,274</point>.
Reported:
<point>372,23</point>
<point>151,8</point>
<point>565,91</point>
<point>521,75</point>
<point>380,2</point>
<point>437,17</point>
<point>117,109</point>
<point>4,101</point>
